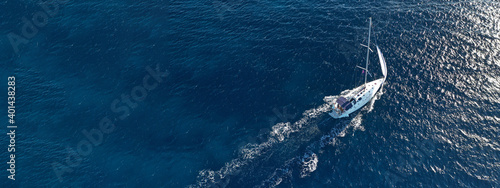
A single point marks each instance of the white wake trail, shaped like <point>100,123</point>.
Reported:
<point>308,162</point>
<point>280,132</point>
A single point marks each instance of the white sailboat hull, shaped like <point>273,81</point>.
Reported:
<point>358,97</point>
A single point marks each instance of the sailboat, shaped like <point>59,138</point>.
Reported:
<point>346,104</point>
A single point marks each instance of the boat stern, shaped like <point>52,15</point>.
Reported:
<point>336,112</point>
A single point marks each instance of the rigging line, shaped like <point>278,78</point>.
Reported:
<point>375,38</point>
<point>376,34</point>
<point>368,50</point>
<point>353,77</point>
<point>324,121</point>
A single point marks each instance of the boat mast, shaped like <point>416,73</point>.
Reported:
<point>368,50</point>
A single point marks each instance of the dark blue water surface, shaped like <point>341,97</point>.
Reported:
<point>243,102</point>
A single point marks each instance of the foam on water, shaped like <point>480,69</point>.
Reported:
<point>308,162</point>
<point>280,132</point>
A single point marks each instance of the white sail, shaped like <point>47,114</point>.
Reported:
<point>382,62</point>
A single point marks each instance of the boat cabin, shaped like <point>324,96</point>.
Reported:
<point>343,104</point>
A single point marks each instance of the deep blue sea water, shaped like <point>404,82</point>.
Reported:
<point>243,103</point>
